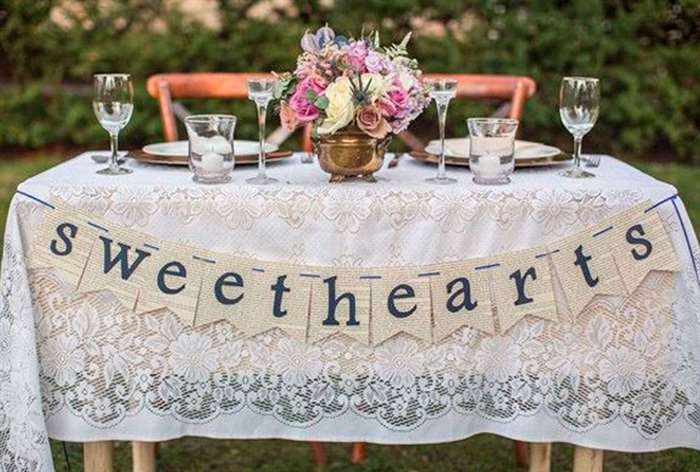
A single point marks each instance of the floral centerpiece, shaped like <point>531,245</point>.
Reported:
<point>356,95</point>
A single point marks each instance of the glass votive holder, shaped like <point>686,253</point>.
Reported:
<point>211,153</point>
<point>491,149</point>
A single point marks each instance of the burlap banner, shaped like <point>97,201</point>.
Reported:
<point>370,305</point>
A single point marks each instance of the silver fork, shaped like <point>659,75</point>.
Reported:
<point>592,160</point>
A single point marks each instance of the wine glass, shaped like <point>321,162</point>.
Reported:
<point>113,105</point>
<point>442,91</point>
<point>261,91</point>
<point>579,102</point>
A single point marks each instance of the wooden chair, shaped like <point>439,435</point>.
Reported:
<point>167,88</point>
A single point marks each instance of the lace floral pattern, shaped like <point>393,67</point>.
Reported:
<point>632,362</point>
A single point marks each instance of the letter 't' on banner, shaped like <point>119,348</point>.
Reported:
<point>117,262</point>
<point>585,266</point>
<point>641,245</point>
<point>63,242</point>
<point>522,285</point>
<point>462,297</point>
<point>340,303</point>
<point>400,304</point>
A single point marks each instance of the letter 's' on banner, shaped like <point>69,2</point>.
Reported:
<point>585,266</point>
<point>522,284</point>
<point>462,297</point>
<point>64,241</point>
<point>400,304</point>
<point>117,260</point>
<point>171,279</point>
<point>640,245</point>
<point>340,303</point>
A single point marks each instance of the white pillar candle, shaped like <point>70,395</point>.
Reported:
<point>220,144</point>
<point>489,166</point>
<point>212,162</point>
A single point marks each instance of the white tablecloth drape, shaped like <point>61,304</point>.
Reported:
<point>625,374</point>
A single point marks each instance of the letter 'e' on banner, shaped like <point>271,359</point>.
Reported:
<point>641,244</point>
<point>225,284</point>
<point>117,260</point>
<point>522,285</point>
<point>64,242</point>
<point>461,297</point>
<point>340,303</point>
<point>171,279</point>
<point>585,266</point>
<point>400,304</point>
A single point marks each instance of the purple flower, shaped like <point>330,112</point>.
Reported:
<point>377,63</point>
<point>356,54</point>
<point>314,42</point>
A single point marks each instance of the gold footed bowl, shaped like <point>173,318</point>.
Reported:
<point>351,154</point>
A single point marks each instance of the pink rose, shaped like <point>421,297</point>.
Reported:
<point>371,121</point>
<point>399,98</point>
<point>288,117</point>
<point>387,107</point>
<point>304,110</point>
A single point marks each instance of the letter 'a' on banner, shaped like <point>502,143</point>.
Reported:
<point>585,266</point>
<point>117,258</point>
<point>340,303</point>
<point>64,241</point>
<point>522,285</point>
<point>461,297</point>
<point>641,244</point>
<point>171,279</point>
<point>400,304</point>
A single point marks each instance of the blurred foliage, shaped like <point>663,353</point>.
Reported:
<point>646,52</point>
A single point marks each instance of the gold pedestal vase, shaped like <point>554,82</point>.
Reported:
<point>350,153</point>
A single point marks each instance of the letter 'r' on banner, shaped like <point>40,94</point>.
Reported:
<point>585,266</point>
<point>64,241</point>
<point>641,244</point>
<point>340,303</point>
<point>400,304</point>
<point>117,260</point>
<point>522,286</point>
<point>462,297</point>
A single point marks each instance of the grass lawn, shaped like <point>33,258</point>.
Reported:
<point>482,452</point>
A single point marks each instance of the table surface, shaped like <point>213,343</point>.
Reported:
<point>101,372</point>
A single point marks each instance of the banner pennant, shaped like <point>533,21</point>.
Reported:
<point>400,304</point>
<point>461,296</point>
<point>522,285</point>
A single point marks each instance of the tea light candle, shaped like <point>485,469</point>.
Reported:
<point>220,145</point>
<point>489,166</point>
<point>212,162</point>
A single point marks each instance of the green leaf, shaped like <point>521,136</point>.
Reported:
<point>321,102</point>
<point>310,95</point>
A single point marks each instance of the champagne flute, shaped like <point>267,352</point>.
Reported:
<point>442,91</point>
<point>579,103</point>
<point>261,91</point>
<point>113,106</point>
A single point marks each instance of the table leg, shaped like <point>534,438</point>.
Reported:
<point>98,456</point>
<point>318,454</point>
<point>522,453</point>
<point>540,457</point>
<point>143,456</point>
<point>588,460</point>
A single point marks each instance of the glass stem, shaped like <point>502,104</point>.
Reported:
<point>442,118</point>
<point>577,151</point>
<point>262,112</point>
<point>114,146</point>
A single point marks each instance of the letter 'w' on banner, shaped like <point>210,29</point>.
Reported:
<point>171,279</point>
<point>117,259</point>
<point>585,266</point>
<point>641,244</point>
<point>400,304</point>
<point>461,297</point>
<point>522,285</point>
<point>340,303</point>
<point>64,241</point>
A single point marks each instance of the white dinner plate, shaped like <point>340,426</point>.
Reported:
<point>459,147</point>
<point>181,148</point>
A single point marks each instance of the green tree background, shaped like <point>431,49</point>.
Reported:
<point>646,52</point>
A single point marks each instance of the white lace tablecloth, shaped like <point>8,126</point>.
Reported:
<point>79,367</point>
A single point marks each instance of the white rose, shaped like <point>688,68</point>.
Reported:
<point>378,84</point>
<point>340,110</point>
